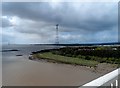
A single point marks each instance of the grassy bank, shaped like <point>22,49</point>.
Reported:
<point>84,56</point>
<point>64,59</point>
<point>99,54</point>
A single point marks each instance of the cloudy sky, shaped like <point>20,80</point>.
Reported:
<point>79,22</point>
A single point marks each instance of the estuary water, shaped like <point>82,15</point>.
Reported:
<point>20,71</point>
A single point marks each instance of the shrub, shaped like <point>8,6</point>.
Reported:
<point>87,57</point>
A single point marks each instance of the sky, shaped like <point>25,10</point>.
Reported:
<point>79,22</point>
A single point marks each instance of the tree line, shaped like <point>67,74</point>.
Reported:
<point>100,54</point>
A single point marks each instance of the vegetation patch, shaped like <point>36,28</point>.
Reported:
<point>64,59</point>
<point>84,56</point>
<point>100,54</point>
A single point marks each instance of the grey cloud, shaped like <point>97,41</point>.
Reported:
<point>87,20</point>
<point>6,22</point>
<point>95,19</point>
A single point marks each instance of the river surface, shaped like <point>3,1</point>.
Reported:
<point>20,71</point>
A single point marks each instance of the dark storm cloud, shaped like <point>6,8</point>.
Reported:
<point>33,11</point>
<point>99,17</point>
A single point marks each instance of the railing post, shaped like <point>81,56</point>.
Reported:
<point>111,85</point>
<point>116,83</point>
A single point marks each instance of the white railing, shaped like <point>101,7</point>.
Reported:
<point>110,79</point>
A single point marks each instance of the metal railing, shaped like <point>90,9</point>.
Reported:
<point>109,80</point>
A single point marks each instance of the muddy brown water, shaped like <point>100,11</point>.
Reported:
<point>20,71</point>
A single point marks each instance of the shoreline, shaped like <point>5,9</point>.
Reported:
<point>102,68</point>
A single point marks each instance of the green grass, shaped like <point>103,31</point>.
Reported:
<point>65,59</point>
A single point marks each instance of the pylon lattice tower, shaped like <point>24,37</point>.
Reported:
<point>57,37</point>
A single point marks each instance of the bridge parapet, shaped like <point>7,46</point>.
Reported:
<point>109,80</point>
